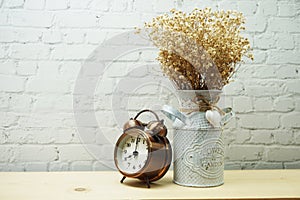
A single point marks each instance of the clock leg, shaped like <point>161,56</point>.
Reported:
<point>123,179</point>
<point>147,182</point>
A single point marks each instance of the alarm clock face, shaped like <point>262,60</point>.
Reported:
<point>132,151</point>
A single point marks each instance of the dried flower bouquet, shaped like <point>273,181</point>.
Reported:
<point>199,50</point>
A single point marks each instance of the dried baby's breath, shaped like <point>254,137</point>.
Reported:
<point>199,50</point>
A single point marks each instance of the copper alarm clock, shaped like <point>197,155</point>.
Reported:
<point>143,150</point>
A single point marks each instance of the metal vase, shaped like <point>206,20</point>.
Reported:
<point>198,145</point>
<point>198,157</point>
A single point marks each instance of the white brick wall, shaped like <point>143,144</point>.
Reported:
<point>43,44</point>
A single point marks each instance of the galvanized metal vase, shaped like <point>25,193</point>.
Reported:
<point>197,143</point>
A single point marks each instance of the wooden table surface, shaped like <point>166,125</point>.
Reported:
<point>248,184</point>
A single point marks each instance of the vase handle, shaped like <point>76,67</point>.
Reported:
<point>229,114</point>
<point>173,114</point>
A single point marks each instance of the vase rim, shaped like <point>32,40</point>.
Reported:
<point>201,91</point>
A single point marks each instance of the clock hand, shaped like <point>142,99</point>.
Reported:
<point>127,157</point>
<point>135,153</point>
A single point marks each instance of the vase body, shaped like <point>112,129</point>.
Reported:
<point>198,145</point>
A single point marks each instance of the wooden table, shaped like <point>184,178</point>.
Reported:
<point>256,184</point>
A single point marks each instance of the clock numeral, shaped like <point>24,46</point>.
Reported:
<point>133,167</point>
<point>132,140</point>
<point>128,164</point>
<point>125,151</point>
<point>138,139</point>
<point>140,166</point>
<point>125,159</point>
<point>128,144</point>
<point>144,141</point>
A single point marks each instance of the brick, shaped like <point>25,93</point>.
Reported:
<point>254,25</point>
<point>30,136</point>
<point>263,104</point>
<point>74,37</point>
<point>262,137</point>
<point>292,165</point>
<point>103,5</point>
<point>143,6</point>
<point>77,19</point>
<point>242,104</point>
<point>234,88</point>
<point>278,24</point>
<point>107,152</point>
<point>3,51</point>
<point>7,35</point>
<point>262,90</point>
<point>283,137</point>
<point>7,153</point>
<point>79,4</point>
<point>105,86</point>
<point>282,153</point>
<point>117,21</point>
<point>31,19</point>
<point>105,118</point>
<point>32,153</point>
<point>8,119</point>
<point>27,35</point>
<point>228,5</point>
<point>297,137</point>
<point>259,121</point>
<point>293,86</point>
<point>108,135</point>
<point>259,57</point>
<point>283,57</point>
<point>268,7</point>
<point>81,166</point>
<point>265,41</point>
<point>56,4</point>
<point>163,6</point>
<point>52,37</point>
<point>120,5</point>
<point>247,7</point>
<point>103,166</point>
<point>58,166</point>
<point>15,167</point>
<point>286,9</point>
<point>20,103</point>
<point>95,36</point>
<point>14,4</point>
<point>11,83</point>
<point>7,67</point>
<point>48,85</point>
<point>244,152</point>
<point>42,120</point>
<point>269,165</point>
<point>285,41</point>
<point>4,103</point>
<point>232,165</point>
<point>49,69</point>
<point>27,68</point>
<point>264,71</point>
<point>72,52</point>
<point>283,104</point>
<point>236,137</point>
<point>288,71</point>
<point>291,120</point>
<point>74,152</point>
<point>36,167</point>
<point>3,17</point>
<point>37,51</point>
<point>34,4</point>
